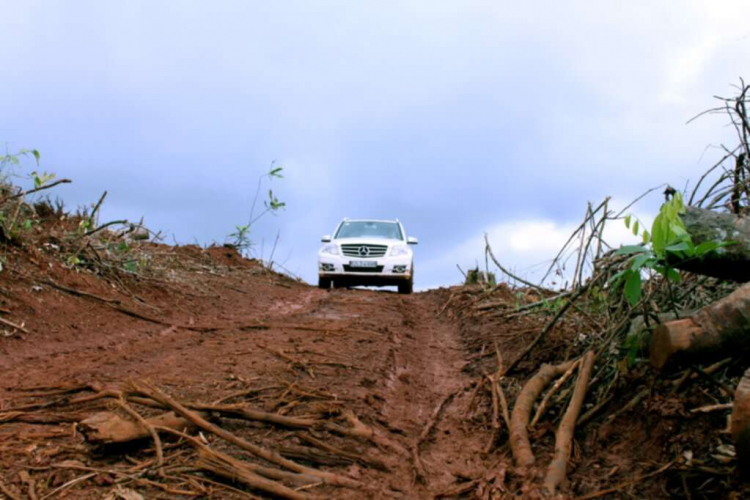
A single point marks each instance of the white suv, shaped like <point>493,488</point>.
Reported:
<point>367,252</point>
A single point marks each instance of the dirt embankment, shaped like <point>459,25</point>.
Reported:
<point>390,396</point>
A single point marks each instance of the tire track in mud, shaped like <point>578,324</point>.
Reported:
<point>426,397</point>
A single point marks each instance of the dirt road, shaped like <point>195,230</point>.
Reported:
<point>389,359</point>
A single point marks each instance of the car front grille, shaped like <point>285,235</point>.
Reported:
<point>363,251</point>
<point>350,269</point>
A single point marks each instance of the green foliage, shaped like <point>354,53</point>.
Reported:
<point>667,243</point>
<point>41,179</point>
<point>15,159</point>
<point>240,238</point>
<point>634,345</point>
<point>273,203</point>
<point>553,306</point>
<point>16,216</point>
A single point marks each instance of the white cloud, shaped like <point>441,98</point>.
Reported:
<point>527,247</point>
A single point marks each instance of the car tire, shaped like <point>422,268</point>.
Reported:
<point>324,283</point>
<point>406,288</point>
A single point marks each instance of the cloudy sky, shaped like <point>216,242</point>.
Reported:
<point>457,117</point>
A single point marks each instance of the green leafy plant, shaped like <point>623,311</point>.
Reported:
<point>16,216</point>
<point>240,238</point>
<point>15,159</point>
<point>667,244</point>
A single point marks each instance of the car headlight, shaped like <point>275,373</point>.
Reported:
<point>396,251</point>
<point>331,248</point>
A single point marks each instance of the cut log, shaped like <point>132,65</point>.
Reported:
<point>732,262</point>
<point>107,427</point>
<point>722,327</point>
<point>741,424</point>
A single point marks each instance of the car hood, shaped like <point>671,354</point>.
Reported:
<point>368,241</point>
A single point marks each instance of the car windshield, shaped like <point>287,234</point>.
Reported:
<point>370,229</point>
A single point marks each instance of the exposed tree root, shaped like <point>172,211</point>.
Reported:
<point>519,420</point>
<point>564,436</point>
<point>545,401</point>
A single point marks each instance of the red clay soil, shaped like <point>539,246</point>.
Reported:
<point>216,325</point>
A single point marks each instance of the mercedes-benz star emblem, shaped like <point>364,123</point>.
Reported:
<point>364,251</point>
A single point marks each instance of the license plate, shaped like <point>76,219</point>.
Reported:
<point>363,263</point>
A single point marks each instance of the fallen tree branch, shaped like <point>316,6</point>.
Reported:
<point>23,194</point>
<point>236,470</point>
<point>5,490</point>
<point>104,226</point>
<point>710,408</point>
<point>13,325</point>
<point>149,428</point>
<point>156,394</point>
<point>363,458</point>
<point>240,411</point>
<point>520,280</point>
<point>622,486</point>
<point>108,427</point>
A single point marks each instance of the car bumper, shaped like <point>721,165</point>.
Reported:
<point>388,269</point>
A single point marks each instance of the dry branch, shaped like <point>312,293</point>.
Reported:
<point>626,484</point>
<point>236,470</point>
<point>149,428</point>
<point>488,248</point>
<point>240,411</point>
<point>13,325</point>
<point>273,457</point>
<point>5,490</point>
<point>108,427</point>
<point>361,457</point>
<point>40,188</point>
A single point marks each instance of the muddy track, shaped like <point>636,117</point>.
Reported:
<point>388,358</point>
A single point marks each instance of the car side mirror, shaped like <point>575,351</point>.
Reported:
<point>326,238</point>
<point>411,240</point>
